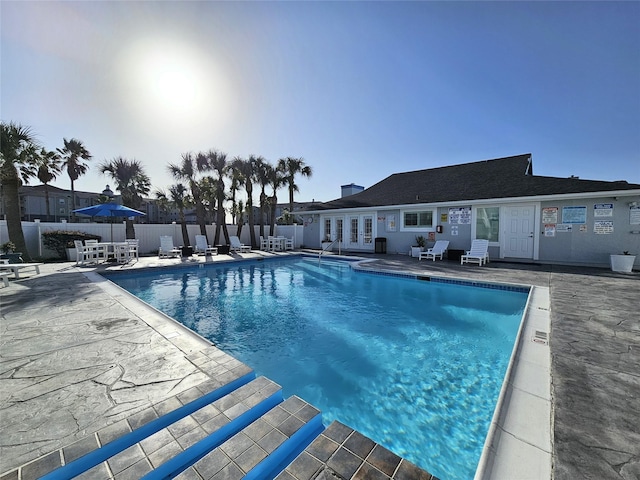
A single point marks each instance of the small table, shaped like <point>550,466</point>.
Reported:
<point>223,249</point>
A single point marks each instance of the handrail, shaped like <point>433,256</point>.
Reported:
<point>328,247</point>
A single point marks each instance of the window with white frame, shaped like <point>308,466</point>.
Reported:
<point>339,229</point>
<point>417,220</point>
<point>488,223</point>
<point>327,229</point>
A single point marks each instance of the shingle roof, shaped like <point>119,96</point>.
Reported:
<point>498,178</point>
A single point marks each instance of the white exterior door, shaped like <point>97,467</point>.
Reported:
<point>518,235</point>
<point>359,235</point>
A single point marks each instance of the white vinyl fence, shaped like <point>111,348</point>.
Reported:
<point>147,234</point>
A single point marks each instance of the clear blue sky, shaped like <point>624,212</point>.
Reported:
<point>361,90</point>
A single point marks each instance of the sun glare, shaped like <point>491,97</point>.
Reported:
<point>171,83</point>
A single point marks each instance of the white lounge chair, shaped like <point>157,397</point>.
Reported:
<point>236,246</point>
<point>479,253</point>
<point>6,267</point>
<point>264,244</point>
<point>203,248</point>
<point>167,248</point>
<point>436,251</point>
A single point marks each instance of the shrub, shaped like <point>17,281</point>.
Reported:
<point>59,240</point>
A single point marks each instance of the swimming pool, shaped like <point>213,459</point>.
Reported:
<point>417,366</point>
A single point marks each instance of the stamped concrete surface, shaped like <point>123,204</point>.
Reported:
<point>73,360</point>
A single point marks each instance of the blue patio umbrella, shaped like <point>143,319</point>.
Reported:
<point>109,210</point>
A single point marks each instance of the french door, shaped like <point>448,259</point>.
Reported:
<point>359,235</point>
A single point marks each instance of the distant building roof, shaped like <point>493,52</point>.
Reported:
<point>498,178</point>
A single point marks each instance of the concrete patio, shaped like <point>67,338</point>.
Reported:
<point>78,356</point>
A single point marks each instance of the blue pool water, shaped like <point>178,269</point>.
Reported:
<point>417,366</point>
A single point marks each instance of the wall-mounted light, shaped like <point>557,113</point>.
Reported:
<point>633,204</point>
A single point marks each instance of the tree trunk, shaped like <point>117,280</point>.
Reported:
<point>185,232</point>
<point>72,216</point>
<point>274,204</point>
<point>130,231</point>
<point>200,217</point>
<point>252,231</point>
<point>12,209</point>
<point>263,200</point>
<point>290,206</point>
<point>46,200</point>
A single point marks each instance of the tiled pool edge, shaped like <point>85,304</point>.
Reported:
<point>519,442</point>
<point>509,454</point>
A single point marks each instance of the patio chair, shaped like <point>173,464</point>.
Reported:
<point>264,244</point>
<point>203,248</point>
<point>436,251</point>
<point>85,253</point>
<point>133,245</point>
<point>236,246</point>
<point>288,244</point>
<point>479,253</point>
<point>167,248</point>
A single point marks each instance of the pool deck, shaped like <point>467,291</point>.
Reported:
<point>79,356</point>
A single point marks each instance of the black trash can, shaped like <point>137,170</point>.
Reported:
<point>381,245</point>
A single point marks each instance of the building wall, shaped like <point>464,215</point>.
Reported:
<point>605,230</point>
<point>582,244</point>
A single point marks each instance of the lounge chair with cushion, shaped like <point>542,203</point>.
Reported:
<point>436,251</point>
<point>202,247</point>
<point>167,248</point>
<point>236,246</point>
<point>479,253</point>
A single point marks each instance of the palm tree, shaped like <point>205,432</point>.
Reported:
<point>292,167</point>
<point>217,161</point>
<point>208,187</point>
<point>276,181</point>
<point>238,212</point>
<point>233,188</point>
<point>188,171</point>
<point>262,176</point>
<point>18,163</point>
<point>179,198</point>
<point>73,153</point>
<point>49,168</point>
<point>246,173</point>
<point>131,182</point>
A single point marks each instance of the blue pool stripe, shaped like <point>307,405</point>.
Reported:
<point>107,451</point>
<point>191,455</point>
<point>277,460</point>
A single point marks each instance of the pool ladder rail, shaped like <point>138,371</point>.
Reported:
<point>328,247</point>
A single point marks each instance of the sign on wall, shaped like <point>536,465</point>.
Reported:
<point>603,210</point>
<point>634,215</point>
<point>550,215</point>
<point>550,230</point>
<point>392,226</point>
<point>603,227</point>
<point>575,215</point>
<point>460,216</point>
<point>564,227</point>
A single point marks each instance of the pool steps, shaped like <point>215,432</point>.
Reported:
<point>90,460</point>
<point>239,427</point>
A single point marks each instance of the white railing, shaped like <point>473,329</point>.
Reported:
<point>329,247</point>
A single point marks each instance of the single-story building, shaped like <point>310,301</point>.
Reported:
<point>525,217</point>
